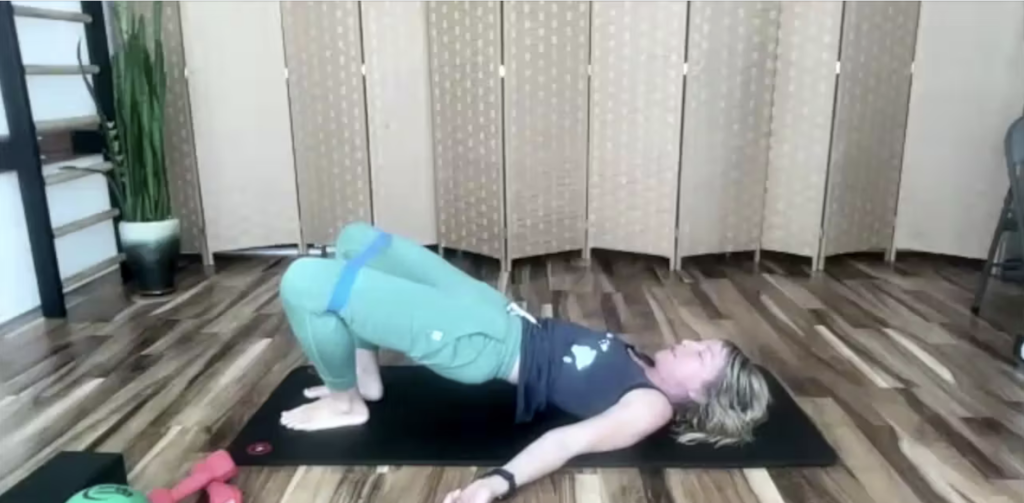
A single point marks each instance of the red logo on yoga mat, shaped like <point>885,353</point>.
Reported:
<point>259,449</point>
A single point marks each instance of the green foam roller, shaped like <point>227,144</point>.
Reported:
<point>109,493</point>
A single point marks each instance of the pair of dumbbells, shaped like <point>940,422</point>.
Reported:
<point>211,474</point>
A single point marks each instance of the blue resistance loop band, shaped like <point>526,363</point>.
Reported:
<point>343,288</point>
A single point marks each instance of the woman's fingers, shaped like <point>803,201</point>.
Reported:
<point>453,497</point>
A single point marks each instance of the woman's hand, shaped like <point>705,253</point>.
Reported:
<point>484,490</point>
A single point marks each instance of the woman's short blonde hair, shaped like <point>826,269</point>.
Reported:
<point>734,405</point>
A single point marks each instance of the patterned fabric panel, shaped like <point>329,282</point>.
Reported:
<point>242,131</point>
<point>726,125</point>
<point>398,103</point>
<point>870,125</point>
<point>325,83</point>
<point>465,53</point>
<point>636,97</point>
<point>547,47</point>
<point>805,83</point>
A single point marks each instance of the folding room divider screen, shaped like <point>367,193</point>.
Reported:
<point>465,58</point>
<point>666,128</point>
<point>637,58</point>
<point>323,54</point>
<point>546,52</point>
<point>801,128</point>
<point>240,119</point>
<point>877,51</point>
<point>398,102</point>
<point>726,125</point>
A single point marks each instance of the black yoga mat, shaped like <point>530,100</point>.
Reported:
<point>427,420</point>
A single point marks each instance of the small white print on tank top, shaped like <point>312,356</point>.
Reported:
<point>584,356</point>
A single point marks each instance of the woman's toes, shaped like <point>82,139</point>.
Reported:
<point>316,392</point>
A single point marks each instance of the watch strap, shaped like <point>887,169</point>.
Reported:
<point>507,475</point>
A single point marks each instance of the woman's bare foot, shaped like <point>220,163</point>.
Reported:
<point>367,378</point>
<point>334,410</point>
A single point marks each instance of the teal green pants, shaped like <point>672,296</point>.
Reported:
<point>407,299</point>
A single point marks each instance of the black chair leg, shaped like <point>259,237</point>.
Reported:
<point>1017,189</point>
<point>986,272</point>
<point>1017,203</point>
<point>1018,351</point>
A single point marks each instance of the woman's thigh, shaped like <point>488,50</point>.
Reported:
<point>457,337</point>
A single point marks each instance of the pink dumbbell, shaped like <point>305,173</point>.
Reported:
<point>219,492</point>
<point>217,467</point>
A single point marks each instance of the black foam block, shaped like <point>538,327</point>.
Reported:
<point>65,474</point>
<point>424,419</point>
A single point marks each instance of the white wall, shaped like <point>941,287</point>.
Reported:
<point>18,292</point>
<point>77,199</point>
<point>968,88</point>
<point>76,251</point>
<point>48,42</point>
<point>52,97</point>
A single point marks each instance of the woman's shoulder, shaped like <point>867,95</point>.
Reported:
<point>648,403</point>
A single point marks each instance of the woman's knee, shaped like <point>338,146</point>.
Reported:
<point>354,237</point>
<point>309,282</point>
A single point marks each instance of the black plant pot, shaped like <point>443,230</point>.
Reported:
<point>151,251</point>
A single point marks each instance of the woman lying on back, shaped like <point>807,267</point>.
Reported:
<point>382,291</point>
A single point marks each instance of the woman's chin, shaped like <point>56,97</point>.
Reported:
<point>663,359</point>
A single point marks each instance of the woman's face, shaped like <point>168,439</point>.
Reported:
<point>689,366</point>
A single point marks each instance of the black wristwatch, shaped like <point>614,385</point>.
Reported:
<point>507,475</point>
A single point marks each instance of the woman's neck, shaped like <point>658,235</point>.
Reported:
<point>651,371</point>
<point>639,356</point>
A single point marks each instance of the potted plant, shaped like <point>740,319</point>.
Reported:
<point>149,232</point>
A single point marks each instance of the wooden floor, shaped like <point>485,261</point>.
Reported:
<point>918,397</point>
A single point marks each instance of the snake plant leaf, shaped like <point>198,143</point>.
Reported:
<point>134,136</point>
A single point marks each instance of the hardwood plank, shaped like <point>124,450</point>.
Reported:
<point>622,485</point>
<point>270,484</point>
<point>588,488</point>
<point>916,395</point>
<point>820,485</point>
<point>711,486</point>
<point>762,485</point>
<point>879,478</point>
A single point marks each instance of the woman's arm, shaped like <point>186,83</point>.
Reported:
<point>638,414</point>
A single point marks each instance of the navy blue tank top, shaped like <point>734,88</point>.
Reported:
<point>574,368</point>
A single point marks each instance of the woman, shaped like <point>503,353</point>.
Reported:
<point>384,291</point>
